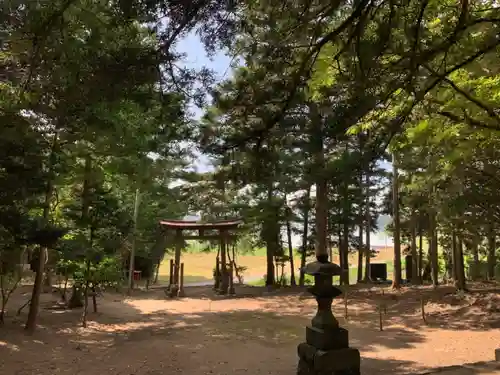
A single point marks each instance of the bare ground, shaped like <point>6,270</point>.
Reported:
<point>256,333</point>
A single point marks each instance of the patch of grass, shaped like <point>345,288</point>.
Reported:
<point>309,280</point>
<point>198,266</point>
<point>164,279</point>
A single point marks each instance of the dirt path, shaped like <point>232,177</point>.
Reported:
<point>148,335</point>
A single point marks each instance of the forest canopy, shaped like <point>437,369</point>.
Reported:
<point>98,134</point>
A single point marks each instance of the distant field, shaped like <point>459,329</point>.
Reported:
<point>198,266</point>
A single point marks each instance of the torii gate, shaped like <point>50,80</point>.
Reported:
<point>222,234</point>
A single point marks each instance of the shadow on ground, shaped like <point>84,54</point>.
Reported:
<point>228,342</point>
<point>147,334</point>
<point>478,310</point>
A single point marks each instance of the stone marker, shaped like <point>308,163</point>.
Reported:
<point>326,350</point>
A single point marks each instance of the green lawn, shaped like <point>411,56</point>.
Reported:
<point>199,264</point>
<point>309,280</point>
<point>353,276</point>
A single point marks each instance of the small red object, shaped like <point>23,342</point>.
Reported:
<point>137,275</point>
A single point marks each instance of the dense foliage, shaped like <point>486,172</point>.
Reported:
<point>95,113</point>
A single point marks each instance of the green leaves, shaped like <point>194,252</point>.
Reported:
<point>85,80</point>
<point>324,72</point>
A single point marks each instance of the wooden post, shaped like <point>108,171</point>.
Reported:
<point>217,274</point>
<point>171,274</point>
<point>231,281</point>
<point>380,321</point>
<point>384,302</point>
<point>223,264</point>
<point>180,292</point>
<point>177,261</point>
<point>346,312</point>
<point>422,307</point>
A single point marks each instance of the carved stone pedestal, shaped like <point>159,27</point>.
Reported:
<point>340,361</point>
<point>326,350</point>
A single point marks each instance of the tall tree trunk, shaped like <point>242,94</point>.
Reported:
<point>448,260</point>
<point>38,284</point>
<point>89,279</point>
<point>224,272</point>
<point>322,202</point>
<point>321,219</point>
<point>361,140</point>
<point>360,251</point>
<point>132,248</point>
<point>454,252</point>
<point>86,295</point>
<point>492,247</point>
<point>340,241</point>
<point>433,256</point>
<point>330,251</point>
<point>94,298</point>
<point>305,234</point>
<point>157,272</point>
<point>475,258</point>
<point>270,269</point>
<point>368,229</point>
<point>460,265</point>
<point>344,244</point>
<point>47,280</point>
<point>396,282</point>
<point>290,246</point>
<point>269,237</point>
<point>344,254</point>
<point>37,290</point>
<point>86,200</point>
<point>415,279</point>
<point>346,210</point>
<point>276,270</point>
<point>420,253</point>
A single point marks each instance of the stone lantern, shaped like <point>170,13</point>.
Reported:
<point>326,350</point>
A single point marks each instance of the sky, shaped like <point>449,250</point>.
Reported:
<point>196,57</point>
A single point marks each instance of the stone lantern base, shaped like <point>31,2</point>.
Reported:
<point>326,350</point>
<point>313,361</point>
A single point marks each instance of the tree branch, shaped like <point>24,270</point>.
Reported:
<point>38,35</point>
<point>299,76</point>
<point>476,101</point>
<point>467,120</point>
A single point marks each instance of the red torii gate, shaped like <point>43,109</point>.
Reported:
<point>205,232</point>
